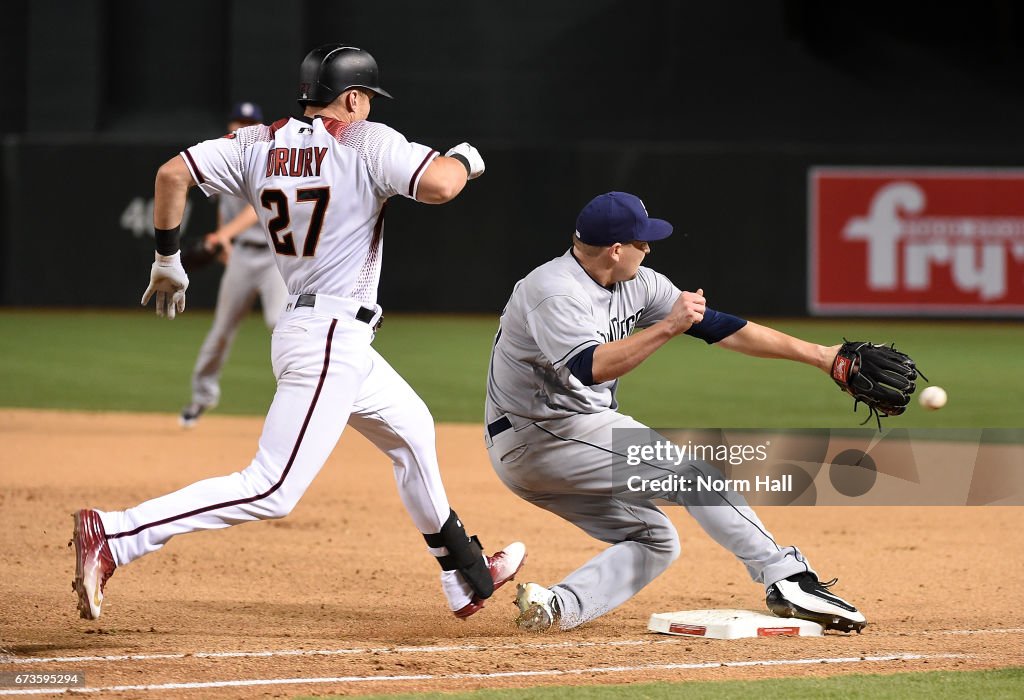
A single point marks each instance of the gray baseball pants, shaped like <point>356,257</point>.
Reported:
<point>250,272</point>
<point>569,467</point>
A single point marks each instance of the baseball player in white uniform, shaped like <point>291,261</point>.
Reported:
<point>564,340</point>
<point>250,272</point>
<point>319,183</point>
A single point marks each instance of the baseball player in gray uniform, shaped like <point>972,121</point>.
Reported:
<point>564,340</point>
<point>250,273</point>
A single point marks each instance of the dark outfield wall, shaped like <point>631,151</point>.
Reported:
<point>740,223</point>
<point>711,111</point>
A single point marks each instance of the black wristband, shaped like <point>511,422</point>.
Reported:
<point>465,162</point>
<point>167,240</point>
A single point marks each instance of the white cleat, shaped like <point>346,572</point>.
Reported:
<point>538,607</point>
<point>804,597</point>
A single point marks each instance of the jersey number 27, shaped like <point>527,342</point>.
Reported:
<point>277,202</point>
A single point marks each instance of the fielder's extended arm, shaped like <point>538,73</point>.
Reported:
<point>878,376</point>
<point>761,341</point>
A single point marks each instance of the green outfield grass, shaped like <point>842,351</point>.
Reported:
<point>133,361</point>
<point>954,685</point>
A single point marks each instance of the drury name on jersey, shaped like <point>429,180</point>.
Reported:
<point>307,179</point>
<point>295,162</point>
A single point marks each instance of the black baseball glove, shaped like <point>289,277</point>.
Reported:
<point>878,376</point>
<point>196,255</point>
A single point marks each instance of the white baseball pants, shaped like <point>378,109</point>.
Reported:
<point>327,375</point>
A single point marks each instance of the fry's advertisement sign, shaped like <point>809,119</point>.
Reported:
<point>916,241</point>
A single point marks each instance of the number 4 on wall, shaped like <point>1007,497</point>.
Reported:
<point>137,217</point>
<point>277,201</point>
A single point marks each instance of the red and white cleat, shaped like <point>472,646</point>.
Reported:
<point>94,563</point>
<point>504,566</point>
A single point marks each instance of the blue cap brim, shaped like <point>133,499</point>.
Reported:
<point>655,230</point>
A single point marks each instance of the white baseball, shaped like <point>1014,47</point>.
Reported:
<point>933,398</point>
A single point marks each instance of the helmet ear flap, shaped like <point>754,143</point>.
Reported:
<point>331,69</point>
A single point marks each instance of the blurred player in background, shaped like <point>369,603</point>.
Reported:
<point>250,273</point>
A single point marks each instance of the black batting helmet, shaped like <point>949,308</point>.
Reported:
<point>331,69</point>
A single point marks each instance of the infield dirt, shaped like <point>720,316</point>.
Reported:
<point>347,571</point>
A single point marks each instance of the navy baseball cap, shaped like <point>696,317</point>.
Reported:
<point>618,217</point>
<point>246,112</point>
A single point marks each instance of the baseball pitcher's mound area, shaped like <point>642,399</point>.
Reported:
<point>342,597</point>
<point>730,624</point>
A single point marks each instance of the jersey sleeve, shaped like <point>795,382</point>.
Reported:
<point>661,295</point>
<point>395,164</point>
<point>217,165</point>
<point>562,326</point>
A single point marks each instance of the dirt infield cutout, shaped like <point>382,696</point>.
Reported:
<point>343,588</point>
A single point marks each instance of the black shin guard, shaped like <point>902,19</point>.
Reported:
<point>465,555</point>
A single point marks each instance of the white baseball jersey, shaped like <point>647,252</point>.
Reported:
<point>555,312</point>
<point>319,187</point>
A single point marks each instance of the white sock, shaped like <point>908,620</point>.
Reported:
<point>456,590</point>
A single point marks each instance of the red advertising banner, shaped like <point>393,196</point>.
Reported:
<point>916,241</point>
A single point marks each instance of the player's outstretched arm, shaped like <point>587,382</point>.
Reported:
<point>761,341</point>
<point>615,359</point>
<point>167,278</point>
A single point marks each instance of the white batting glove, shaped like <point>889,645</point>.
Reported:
<point>168,280</point>
<point>470,157</point>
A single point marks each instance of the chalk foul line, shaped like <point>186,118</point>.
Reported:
<point>332,652</point>
<point>480,676</point>
<point>395,650</point>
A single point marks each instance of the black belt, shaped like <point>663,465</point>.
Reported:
<point>250,244</point>
<point>498,427</point>
<point>364,314</point>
